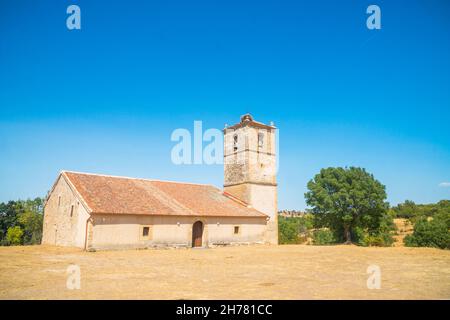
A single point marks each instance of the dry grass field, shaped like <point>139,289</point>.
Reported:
<point>253,272</point>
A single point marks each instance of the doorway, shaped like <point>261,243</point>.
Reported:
<point>197,233</point>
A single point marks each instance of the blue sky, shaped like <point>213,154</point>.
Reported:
<point>106,98</point>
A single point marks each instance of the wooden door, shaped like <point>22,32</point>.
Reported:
<point>197,232</point>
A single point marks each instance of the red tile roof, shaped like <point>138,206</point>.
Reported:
<point>121,195</point>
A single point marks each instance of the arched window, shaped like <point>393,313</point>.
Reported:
<point>235,142</point>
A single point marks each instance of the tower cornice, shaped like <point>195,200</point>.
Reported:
<point>247,121</point>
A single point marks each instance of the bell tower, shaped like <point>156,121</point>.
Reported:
<point>250,168</point>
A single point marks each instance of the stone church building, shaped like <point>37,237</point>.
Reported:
<point>94,211</point>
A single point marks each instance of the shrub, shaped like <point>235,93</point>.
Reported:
<point>382,236</point>
<point>294,230</point>
<point>323,237</point>
<point>430,233</point>
<point>288,233</point>
<point>377,240</point>
<point>14,235</point>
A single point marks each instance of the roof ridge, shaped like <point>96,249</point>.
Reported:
<point>133,178</point>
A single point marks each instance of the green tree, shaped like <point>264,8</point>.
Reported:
<point>415,212</point>
<point>407,209</point>
<point>345,198</point>
<point>30,218</point>
<point>32,226</point>
<point>8,218</point>
<point>14,235</point>
<point>25,214</point>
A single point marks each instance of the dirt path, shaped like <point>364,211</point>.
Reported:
<point>255,272</point>
<point>404,228</point>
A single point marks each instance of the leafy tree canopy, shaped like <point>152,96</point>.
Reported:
<point>27,216</point>
<point>345,198</point>
<point>414,212</point>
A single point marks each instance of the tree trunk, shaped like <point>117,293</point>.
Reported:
<point>348,236</point>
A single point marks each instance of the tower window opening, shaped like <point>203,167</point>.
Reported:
<point>260,139</point>
<point>235,142</point>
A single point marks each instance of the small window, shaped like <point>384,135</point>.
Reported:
<point>235,142</point>
<point>260,139</point>
<point>59,201</point>
<point>145,231</point>
<point>236,229</point>
<point>71,211</point>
